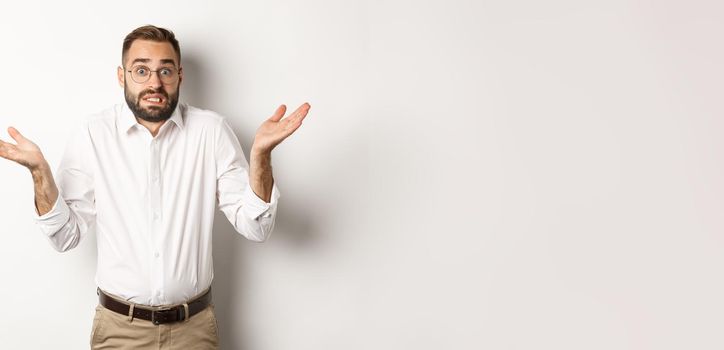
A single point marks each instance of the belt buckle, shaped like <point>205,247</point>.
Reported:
<point>153,315</point>
<point>166,310</point>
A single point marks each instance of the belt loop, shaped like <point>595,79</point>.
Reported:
<point>130,312</point>
<point>186,312</point>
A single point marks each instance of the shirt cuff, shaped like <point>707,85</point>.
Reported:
<point>54,219</point>
<point>255,206</point>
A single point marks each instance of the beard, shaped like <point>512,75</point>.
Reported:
<point>152,114</point>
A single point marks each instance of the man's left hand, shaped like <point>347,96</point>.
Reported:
<point>275,129</point>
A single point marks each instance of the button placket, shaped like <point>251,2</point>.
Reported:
<point>156,222</point>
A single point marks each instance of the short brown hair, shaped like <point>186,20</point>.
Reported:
<point>152,33</point>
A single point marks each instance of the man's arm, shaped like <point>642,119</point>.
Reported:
<point>246,193</point>
<point>28,154</point>
<point>63,223</point>
<point>270,134</point>
<point>46,192</point>
<point>261,178</point>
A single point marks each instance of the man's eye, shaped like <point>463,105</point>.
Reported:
<point>141,71</point>
<point>166,71</point>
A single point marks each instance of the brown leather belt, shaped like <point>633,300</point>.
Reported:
<point>156,315</point>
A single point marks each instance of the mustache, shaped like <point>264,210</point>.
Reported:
<point>160,91</point>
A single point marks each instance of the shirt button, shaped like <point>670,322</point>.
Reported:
<point>155,216</point>
<point>158,294</point>
<point>156,254</point>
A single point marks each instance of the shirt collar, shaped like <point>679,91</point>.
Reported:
<point>127,120</point>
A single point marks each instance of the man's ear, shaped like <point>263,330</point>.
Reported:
<point>121,76</point>
<point>180,74</point>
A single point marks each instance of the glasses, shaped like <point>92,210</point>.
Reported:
<point>141,74</point>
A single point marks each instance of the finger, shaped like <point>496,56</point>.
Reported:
<point>15,134</point>
<point>304,109</point>
<point>300,113</point>
<point>290,127</point>
<point>5,149</point>
<point>4,146</point>
<point>279,113</point>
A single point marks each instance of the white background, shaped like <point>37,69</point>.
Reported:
<point>472,174</point>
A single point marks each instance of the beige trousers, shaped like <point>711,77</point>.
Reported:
<point>112,330</point>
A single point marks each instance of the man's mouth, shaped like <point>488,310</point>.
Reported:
<point>155,99</point>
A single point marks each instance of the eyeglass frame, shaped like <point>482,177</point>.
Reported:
<point>177,75</point>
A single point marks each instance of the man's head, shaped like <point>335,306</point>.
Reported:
<point>151,72</point>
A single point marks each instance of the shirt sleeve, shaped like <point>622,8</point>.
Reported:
<point>251,216</point>
<point>73,213</point>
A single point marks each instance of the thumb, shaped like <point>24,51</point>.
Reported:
<point>278,114</point>
<point>15,134</point>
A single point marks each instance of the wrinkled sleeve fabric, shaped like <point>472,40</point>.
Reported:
<point>251,216</point>
<point>73,214</point>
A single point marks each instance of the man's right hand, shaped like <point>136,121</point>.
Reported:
<point>25,153</point>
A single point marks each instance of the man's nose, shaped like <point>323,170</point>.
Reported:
<point>154,80</point>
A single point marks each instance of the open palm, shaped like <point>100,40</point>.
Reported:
<point>25,152</point>
<point>274,130</point>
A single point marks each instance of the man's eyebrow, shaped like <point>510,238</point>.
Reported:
<point>168,60</point>
<point>147,60</point>
<point>141,60</point>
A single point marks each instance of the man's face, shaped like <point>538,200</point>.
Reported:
<point>154,99</point>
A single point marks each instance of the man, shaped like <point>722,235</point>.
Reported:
<point>145,176</point>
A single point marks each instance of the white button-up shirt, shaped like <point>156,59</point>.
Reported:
<point>151,200</point>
